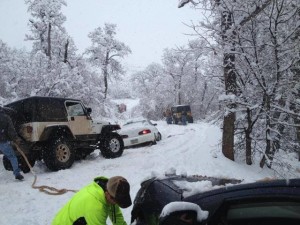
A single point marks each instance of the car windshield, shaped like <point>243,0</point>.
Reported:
<point>74,109</point>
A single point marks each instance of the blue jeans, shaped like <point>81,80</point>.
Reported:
<point>8,151</point>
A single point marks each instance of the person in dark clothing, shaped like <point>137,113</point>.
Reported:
<point>168,114</point>
<point>8,134</point>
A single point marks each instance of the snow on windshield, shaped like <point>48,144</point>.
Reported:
<point>191,188</point>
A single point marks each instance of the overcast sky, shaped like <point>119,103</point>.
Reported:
<point>146,26</point>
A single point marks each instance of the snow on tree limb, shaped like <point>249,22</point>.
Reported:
<point>184,2</point>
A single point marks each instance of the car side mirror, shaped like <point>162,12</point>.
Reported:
<point>182,213</point>
<point>89,110</point>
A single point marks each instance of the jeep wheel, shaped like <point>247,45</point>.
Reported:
<point>58,155</point>
<point>176,121</point>
<point>112,146</point>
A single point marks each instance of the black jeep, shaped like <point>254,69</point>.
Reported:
<point>179,110</point>
<point>60,130</point>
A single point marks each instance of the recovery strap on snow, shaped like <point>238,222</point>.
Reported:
<point>43,188</point>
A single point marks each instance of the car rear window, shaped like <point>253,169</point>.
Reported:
<point>181,108</point>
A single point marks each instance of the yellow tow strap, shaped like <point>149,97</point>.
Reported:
<point>43,188</point>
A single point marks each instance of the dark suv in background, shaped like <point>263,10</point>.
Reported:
<point>60,130</point>
<point>177,111</point>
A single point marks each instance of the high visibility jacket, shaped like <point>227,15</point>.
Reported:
<point>89,206</point>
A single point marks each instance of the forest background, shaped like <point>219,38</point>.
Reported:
<point>241,70</point>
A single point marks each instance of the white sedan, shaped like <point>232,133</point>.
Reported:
<point>140,131</point>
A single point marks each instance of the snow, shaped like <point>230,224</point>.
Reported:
<point>191,188</point>
<point>178,206</point>
<point>191,150</point>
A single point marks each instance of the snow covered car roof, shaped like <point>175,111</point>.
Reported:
<point>221,198</point>
<point>137,120</point>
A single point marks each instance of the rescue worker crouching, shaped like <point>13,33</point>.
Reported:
<point>97,201</point>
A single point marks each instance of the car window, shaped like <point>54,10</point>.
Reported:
<point>75,109</point>
<point>262,213</point>
<point>179,109</point>
<point>264,209</point>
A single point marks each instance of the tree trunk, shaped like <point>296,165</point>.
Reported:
<point>105,74</point>
<point>248,132</point>
<point>230,84</point>
<point>296,79</point>
<point>273,132</point>
<point>227,138</point>
<point>268,126</point>
<point>105,81</point>
<point>66,52</point>
<point>49,41</point>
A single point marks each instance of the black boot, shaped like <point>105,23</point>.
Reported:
<point>19,177</point>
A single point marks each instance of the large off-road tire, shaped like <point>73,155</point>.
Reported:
<point>22,163</point>
<point>112,145</point>
<point>176,121</point>
<point>59,154</point>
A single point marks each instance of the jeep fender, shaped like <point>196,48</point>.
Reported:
<point>56,130</point>
<point>109,128</point>
<point>106,130</point>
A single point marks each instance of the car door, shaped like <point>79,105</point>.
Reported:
<point>265,203</point>
<point>80,123</point>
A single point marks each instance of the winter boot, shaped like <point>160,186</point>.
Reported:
<point>19,177</point>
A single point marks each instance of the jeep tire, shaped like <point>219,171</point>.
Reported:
<point>58,154</point>
<point>21,161</point>
<point>190,119</point>
<point>112,146</point>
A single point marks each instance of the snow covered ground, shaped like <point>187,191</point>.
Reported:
<point>192,149</point>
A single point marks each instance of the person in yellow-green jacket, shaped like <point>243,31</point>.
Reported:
<point>96,202</point>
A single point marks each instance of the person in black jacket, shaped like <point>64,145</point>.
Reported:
<point>8,134</point>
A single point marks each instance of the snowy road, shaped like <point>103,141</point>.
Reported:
<point>191,149</point>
